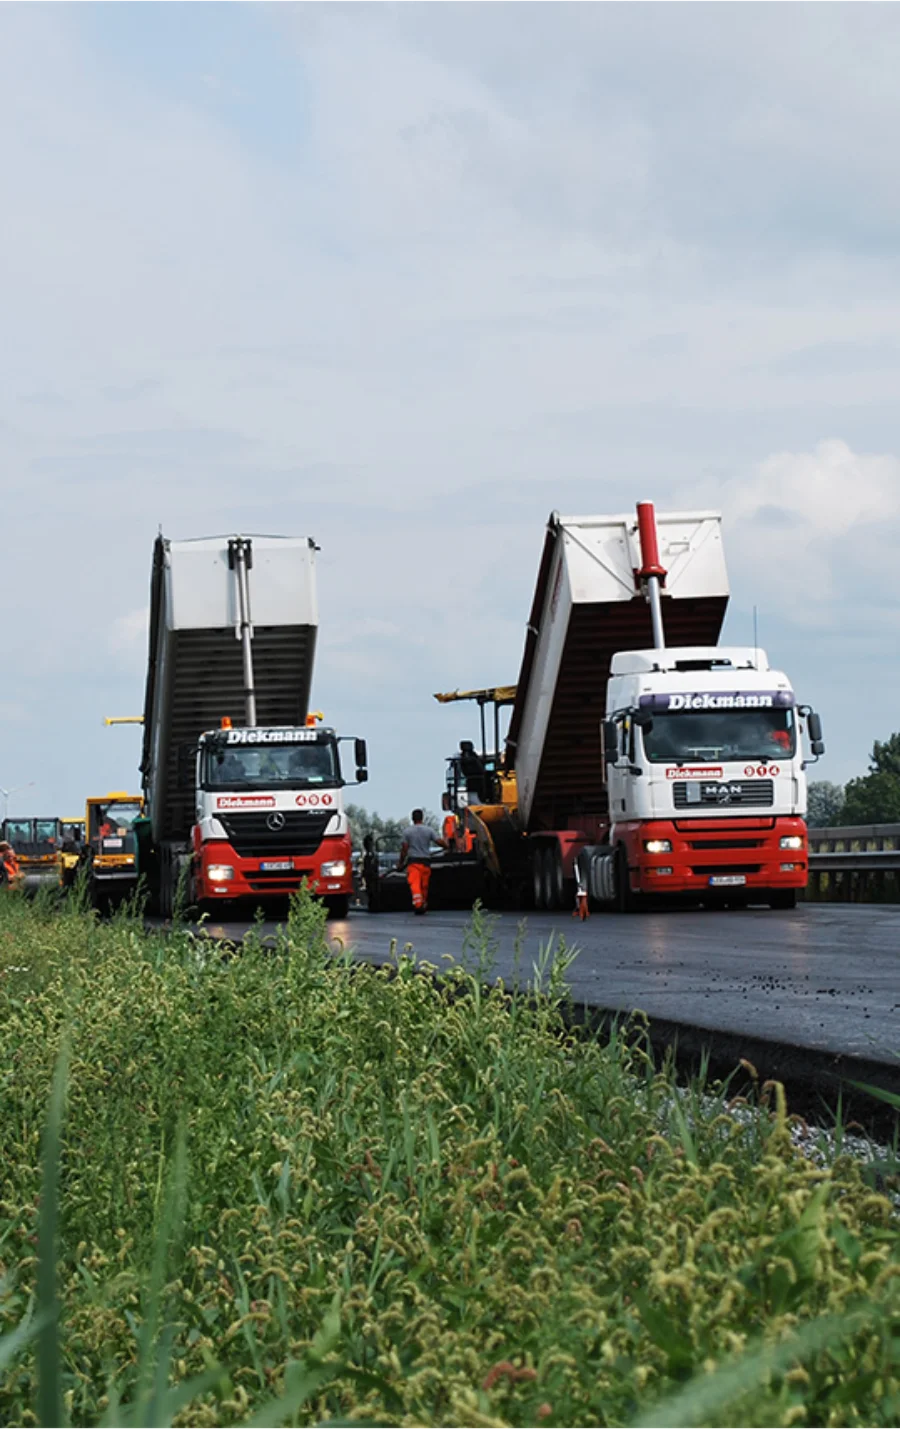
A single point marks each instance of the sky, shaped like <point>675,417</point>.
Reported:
<point>408,278</point>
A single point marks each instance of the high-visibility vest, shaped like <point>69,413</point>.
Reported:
<point>451,824</point>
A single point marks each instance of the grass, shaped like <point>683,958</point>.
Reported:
<point>271,1187</point>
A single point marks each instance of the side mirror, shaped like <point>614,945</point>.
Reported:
<point>814,726</point>
<point>359,750</point>
<point>610,732</point>
<point>642,718</point>
<point>445,802</point>
<point>361,776</point>
<point>818,747</point>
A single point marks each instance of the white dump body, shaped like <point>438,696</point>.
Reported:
<point>195,670</point>
<point>587,607</point>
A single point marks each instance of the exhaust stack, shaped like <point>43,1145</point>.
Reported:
<point>652,574</point>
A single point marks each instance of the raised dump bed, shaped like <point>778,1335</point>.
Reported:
<point>195,673</point>
<point>587,606</point>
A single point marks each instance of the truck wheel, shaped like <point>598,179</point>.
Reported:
<point>626,901</point>
<point>783,898</point>
<point>537,879</point>
<point>553,878</point>
<point>338,905</point>
<point>166,886</point>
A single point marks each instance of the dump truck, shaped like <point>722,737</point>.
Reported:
<point>36,844</point>
<point>243,786</point>
<point>642,759</point>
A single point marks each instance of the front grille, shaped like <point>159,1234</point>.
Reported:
<point>283,875</point>
<point>286,884</point>
<point>723,793</point>
<point>707,870</point>
<point>250,836</point>
<point>724,843</point>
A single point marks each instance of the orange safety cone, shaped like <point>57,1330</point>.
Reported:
<point>581,909</point>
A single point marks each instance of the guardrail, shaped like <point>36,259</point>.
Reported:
<point>859,863</point>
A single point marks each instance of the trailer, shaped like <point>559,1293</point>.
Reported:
<point>641,758</point>
<point>243,786</point>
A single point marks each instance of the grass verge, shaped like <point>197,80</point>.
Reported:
<point>278,1188</point>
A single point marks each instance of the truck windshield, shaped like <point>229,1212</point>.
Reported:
<point>298,766</point>
<point>112,824</point>
<point>721,734</point>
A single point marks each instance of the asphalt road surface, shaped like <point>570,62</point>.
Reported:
<point>823,976</point>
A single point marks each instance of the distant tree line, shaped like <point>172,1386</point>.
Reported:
<point>873,798</point>
<point>388,832</point>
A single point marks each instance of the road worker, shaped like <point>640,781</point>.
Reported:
<point>371,872</point>
<point>415,855</point>
<point>450,830</point>
<point>11,871</point>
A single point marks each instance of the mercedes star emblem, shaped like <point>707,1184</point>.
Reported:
<point>275,821</point>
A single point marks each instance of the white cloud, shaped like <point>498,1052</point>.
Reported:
<point>492,261</point>
<point>803,525</point>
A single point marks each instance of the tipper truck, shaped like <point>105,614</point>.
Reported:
<point>243,788</point>
<point>642,759</point>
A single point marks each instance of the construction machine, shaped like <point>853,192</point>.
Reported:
<point>36,844</point>
<point>109,849</point>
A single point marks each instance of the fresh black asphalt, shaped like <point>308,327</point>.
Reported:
<point>822,977</point>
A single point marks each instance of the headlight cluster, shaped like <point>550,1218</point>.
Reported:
<point>791,841</point>
<point>337,869</point>
<point>219,872</point>
<point>657,846</point>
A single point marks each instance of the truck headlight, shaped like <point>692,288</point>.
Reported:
<point>657,846</point>
<point>337,869</point>
<point>219,872</point>
<point>791,841</point>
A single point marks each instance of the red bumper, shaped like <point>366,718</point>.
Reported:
<point>276,876</point>
<point>716,854</point>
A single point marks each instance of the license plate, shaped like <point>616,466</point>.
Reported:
<point>727,880</point>
<point>283,865</point>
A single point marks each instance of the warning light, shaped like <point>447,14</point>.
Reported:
<point>225,722</point>
<point>313,716</point>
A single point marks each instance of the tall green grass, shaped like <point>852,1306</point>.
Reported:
<point>264,1185</point>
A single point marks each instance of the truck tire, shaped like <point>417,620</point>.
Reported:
<point>166,884</point>
<point>554,887</point>
<point>338,905</point>
<point>626,901</point>
<point>537,879</point>
<point>783,898</point>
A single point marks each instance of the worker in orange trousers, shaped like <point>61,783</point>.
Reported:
<point>415,855</point>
